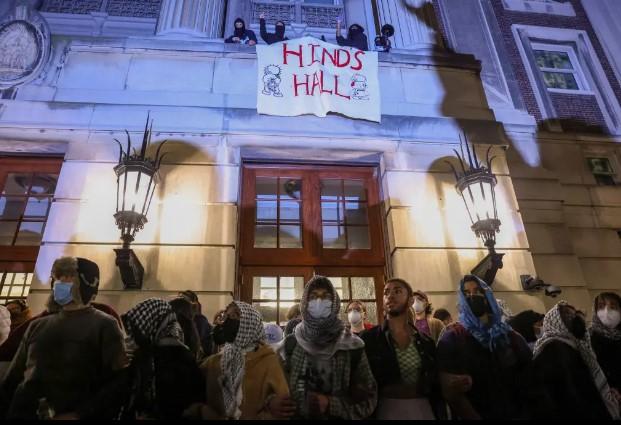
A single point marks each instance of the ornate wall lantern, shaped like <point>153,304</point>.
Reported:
<point>476,185</point>
<point>136,179</point>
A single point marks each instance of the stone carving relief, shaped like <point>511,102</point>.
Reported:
<point>24,46</point>
<point>130,8</point>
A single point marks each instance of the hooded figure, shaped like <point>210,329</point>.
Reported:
<point>528,324</point>
<point>328,371</point>
<point>245,380</point>
<point>72,360</point>
<point>165,379</point>
<point>606,336</point>
<point>355,38</point>
<point>20,312</point>
<point>482,361</point>
<point>241,35</point>
<point>568,381</point>
<point>275,37</point>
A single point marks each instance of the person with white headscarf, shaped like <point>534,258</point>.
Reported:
<point>606,336</point>
<point>245,380</point>
<point>328,371</point>
<point>568,382</point>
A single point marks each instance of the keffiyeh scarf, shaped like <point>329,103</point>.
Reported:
<point>250,334</point>
<point>554,329</point>
<point>319,332</point>
<point>597,326</point>
<point>153,319</point>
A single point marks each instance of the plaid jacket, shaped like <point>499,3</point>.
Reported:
<point>354,392</point>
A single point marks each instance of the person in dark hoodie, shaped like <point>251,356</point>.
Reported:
<point>355,37</point>
<point>241,35</point>
<point>275,37</point>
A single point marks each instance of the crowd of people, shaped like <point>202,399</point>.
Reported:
<point>162,359</point>
<point>355,35</point>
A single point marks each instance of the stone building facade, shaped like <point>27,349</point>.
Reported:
<point>535,80</point>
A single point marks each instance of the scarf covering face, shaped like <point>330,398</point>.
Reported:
<point>240,32</point>
<point>232,363</point>
<point>320,333</point>
<point>153,319</point>
<point>495,331</point>
<point>554,329</point>
<point>598,327</point>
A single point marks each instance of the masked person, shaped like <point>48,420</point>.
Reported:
<point>528,324</point>
<point>355,37</point>
<point>424,322</point>
<point>327,369</point>
<point>482,361</point>
<point>68,363</point>
<point>606,337</point>
<point>185,316</point>
<point>357,317</point>
<point>245,380</point>
<point>275,37</point>
<point>164,377</point>
<point>568,381</point>
<point>241,35</point>
<point>403,361</point>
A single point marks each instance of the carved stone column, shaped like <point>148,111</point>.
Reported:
<point>201,18</point>
<point>415,23</point>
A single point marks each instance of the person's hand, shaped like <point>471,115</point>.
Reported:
<point>252,43</point>
<point>262,15</point>
<point>460,383</point>
<point>319,402</point>
<point>282,406</point>
<point>71,416</point>
<point>236,39</point>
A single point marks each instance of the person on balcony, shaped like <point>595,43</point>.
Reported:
<point>275,37</point>
<point>241,35</point>
<point>355,37</point>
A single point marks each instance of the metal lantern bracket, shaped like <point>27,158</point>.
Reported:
<point>473,172</point>
<point>130,217</point>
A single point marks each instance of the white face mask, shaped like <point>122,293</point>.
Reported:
<point>320,309</point>
<point>538,333</point>
<point>610,318</point>
<point>354,317</point>
<point>419,306</point>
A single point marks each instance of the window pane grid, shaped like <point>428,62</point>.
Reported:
<point>278,204</point>
<point>14,286</point>
<point>275,307</point>
<point>24,207</point>
<point>342,211</point>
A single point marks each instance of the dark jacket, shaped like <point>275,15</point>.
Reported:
<point>242,33</point>
<point>562,386</point>
<point>205,334</point>
<point>608,354</point>
<point>165,380</point>
<point>385,366</point>
<point>354,39</point>
<point>271,38</point>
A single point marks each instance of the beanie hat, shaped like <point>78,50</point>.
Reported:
<point>88,276</point>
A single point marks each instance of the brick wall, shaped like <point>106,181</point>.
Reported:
<point>578,112</point>
<point>506,18</point>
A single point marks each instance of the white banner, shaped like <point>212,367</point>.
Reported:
<point>309,76</point>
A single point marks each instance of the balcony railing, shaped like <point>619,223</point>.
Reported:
<point>314,15</point>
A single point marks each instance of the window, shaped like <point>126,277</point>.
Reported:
<point>559,67</point>
<point>314,13</point>
<point>603,171</point>
<point>28,186</point>
<point>297,221</point>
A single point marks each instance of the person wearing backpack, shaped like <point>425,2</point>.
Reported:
<point>484,364</point>
<point>328,372</point>
<point>403,360</point>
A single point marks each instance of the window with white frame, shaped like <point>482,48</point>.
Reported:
<point>559,68</point>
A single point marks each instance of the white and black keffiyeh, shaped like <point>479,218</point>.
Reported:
<point>250,334</point>
<point>554,329</point>
<point>320,332</point>
<point>152,319</point>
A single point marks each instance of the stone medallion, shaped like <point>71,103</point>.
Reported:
<point>24,46</point>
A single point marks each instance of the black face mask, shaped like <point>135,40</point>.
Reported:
<point>280,30</point>
<point>578,327</point>
<point>226,332</point>
<point>353,32</point>
<point>478,305</point>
